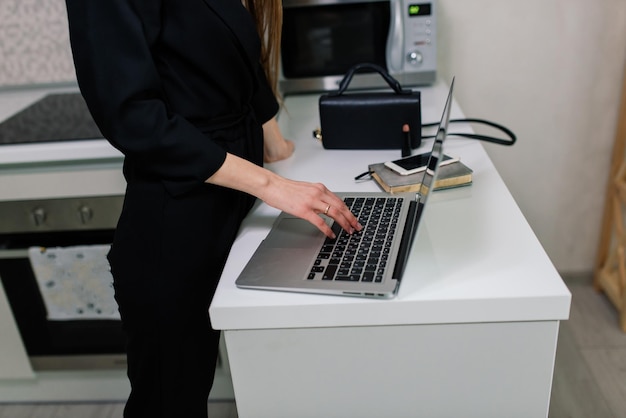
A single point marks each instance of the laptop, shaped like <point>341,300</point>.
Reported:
<point>296,257</point>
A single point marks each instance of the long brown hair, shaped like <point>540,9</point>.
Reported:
<point>268,15</point>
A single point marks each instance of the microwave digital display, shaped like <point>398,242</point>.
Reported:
<point>422,9</point>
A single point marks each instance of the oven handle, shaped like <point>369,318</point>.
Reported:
<point>14,253</point>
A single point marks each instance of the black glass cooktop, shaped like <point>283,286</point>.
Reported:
<point>56,117</point>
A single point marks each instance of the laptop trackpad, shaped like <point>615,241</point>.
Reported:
<point>294,233</point>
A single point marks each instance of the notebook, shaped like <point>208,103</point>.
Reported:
<point>296,257</point>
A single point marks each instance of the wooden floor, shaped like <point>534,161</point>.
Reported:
<point>589,377</point>
<point>590,371</point>
<point>99,410</point>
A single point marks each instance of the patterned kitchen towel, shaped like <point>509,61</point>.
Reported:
<point>75,282</point>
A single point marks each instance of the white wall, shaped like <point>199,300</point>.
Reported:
<point>549,69</point>
<point>552,71</point>
<point>34,43</point>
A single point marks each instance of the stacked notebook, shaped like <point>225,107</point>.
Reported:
<point>451,175</point>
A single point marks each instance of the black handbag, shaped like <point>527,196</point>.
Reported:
<point>370,120</point>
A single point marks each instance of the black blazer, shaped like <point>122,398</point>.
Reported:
<point>161,77</point>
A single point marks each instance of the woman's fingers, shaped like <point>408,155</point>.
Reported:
<point>338,211</point>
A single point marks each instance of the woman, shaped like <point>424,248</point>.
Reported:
<point>181,88</point>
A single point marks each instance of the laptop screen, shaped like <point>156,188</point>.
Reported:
<point>436,153</point>
<point>428,179</point>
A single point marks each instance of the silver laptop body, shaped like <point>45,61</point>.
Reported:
<point>296,257</point>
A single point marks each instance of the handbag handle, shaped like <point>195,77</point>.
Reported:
<point>393,83</point>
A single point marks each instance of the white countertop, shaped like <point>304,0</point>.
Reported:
<point>475,258</point>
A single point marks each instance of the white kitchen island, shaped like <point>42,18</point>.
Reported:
<point>471,333</point>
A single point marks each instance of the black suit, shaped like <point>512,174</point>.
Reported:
<point>174,85</point>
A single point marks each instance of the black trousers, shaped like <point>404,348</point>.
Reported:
<point>166,260</point>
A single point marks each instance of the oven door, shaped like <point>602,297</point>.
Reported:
<point>70,343</point>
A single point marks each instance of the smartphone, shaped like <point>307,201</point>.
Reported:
<point>416,163</point>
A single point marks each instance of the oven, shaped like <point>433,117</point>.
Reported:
<point>51,268</point>
<point>45,215</point>
<point>61,193</point>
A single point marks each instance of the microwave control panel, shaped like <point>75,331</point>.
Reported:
<point>412,37</point>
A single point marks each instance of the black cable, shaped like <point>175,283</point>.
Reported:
<point>367,174</point>
<point>485,138</point>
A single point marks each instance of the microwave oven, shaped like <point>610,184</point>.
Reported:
<point>322,39</point>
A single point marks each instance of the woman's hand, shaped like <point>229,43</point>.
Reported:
<point>275,146</point>
<point>308,201</point>
<point>302,199</point>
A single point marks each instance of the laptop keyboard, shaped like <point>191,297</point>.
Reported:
<point>362,256</point>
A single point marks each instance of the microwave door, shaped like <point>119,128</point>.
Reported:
<point>324,39</point>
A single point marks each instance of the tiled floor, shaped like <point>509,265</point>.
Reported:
<point>589,377</point>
